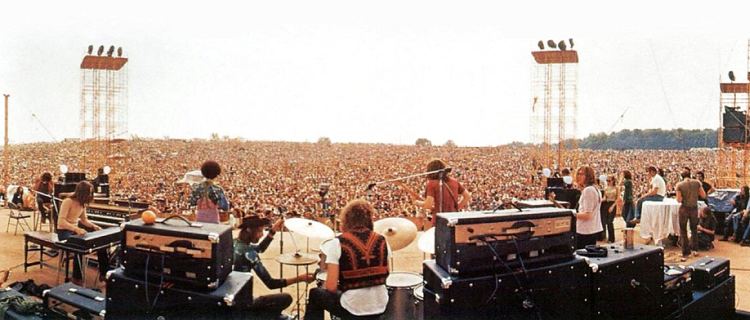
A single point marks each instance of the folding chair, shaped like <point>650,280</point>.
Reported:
<point>20,219</point>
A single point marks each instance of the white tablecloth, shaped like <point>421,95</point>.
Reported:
<point>661,218</point>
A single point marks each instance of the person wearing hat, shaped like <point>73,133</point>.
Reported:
<point>247,249</point>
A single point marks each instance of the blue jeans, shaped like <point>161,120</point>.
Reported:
<point>639,206</point>
<point>628,212</point>
<point>102,256</point>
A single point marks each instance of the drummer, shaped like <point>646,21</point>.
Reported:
<point>357,267</point>
<point>247,257</point>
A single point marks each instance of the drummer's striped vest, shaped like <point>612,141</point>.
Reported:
<point>363,261</point>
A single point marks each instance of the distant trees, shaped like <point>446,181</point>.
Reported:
<point>676,139</point>
<point>324,141</point>
<point>423,142</point>
<point>450,144</point>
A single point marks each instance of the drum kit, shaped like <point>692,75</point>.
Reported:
<point>404,288</point>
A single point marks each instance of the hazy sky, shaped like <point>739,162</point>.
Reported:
<point>378,71</point>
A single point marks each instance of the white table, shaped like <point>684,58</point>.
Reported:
<point>661,218</point>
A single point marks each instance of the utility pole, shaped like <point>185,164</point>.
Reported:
<point>5,145</point>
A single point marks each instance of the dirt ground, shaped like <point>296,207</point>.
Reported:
<point>408,259</point>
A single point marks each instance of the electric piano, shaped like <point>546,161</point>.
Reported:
<point>106,216</point>
<point>92,241</point>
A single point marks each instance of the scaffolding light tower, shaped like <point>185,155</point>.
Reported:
<point>554,107</point>
<point>6,161</point>
<point>103,114</point>
<point>733,154</point>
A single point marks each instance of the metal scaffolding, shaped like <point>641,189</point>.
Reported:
<point>554,108</point>
<point>104,111</point>
<point>733,156</point>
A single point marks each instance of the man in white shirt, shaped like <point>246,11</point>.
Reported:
<point>357,267</point>
<point>656,193</point>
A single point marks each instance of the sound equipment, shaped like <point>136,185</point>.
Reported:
<point>733,117</point>
<point>709,271</point>
<point>131,204</point>
<point>568,195</point>
<point>473,242</point>
<point>140,298</point>
<point>734,134</point>
<point>555,183</point>
<point>558,291</point>
<point>191,255</point>
<point>716,303</point>
<point>74,177</point>
<point>95,239</point>
<point>75,302</point>
<point>105,215</point>
<point>678,289</point>
<point>627,283</point>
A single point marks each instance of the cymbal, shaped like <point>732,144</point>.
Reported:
<point>399,232</point>
<point>426,242</point>
<point>296,259</point>
<point>309,228</point>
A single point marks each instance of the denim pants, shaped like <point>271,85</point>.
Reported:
<point>639,206</point>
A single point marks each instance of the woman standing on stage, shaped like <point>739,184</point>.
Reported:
<point>588,219</point>
<point>207,196</point>
<point>72,214</point>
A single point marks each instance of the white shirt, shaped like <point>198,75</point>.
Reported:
<point>591,202</point>
<point>361,301</point>
<point>658,182</point>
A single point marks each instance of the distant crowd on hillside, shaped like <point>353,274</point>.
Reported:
<point>286,177</point>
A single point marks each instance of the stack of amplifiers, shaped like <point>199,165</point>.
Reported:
<point>473,242</point>
<point>627,284</point>
<point>678,288</point>
<point>106,216</point>
<point>557,291</point>
<point>190,255</point>
<point>716,303</point>
<point>134,298</point>
<point>709,271</point>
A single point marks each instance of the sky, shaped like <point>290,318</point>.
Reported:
<point>378,71</point>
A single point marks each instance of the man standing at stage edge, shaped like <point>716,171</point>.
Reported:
<point>688,192</point>
<point>656,193</point>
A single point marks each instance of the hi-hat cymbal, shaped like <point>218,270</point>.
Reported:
<point>309,228</point>
<point>399,232</point>
<point>426,242</point>
<point>296,259</point>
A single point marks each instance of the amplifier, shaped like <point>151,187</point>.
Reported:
<point>473,242</point>
<point>74,177</point>
<point>131,204</point>
<point>188,254</point>
<point>75,302</point>
<point>709,271</point>
<point>134,298</point>
<point>627,283</point>
<point>678,288</point>
<point>559,291</point>
<point>106,216</point>
<point>716,303</point>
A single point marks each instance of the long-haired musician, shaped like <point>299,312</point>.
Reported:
<point>357,267</point>
<point>453,195</point>
<point>71,222</point>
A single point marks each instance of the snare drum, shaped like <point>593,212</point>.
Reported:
<point>320,278</point>
<point>401,285</point>
<point>418,299</point>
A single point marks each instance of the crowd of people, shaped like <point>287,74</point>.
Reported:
<point>286,177</point>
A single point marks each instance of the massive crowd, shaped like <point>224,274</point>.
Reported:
<point>286,176</point>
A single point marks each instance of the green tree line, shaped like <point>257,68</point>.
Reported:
<point>675,139</point>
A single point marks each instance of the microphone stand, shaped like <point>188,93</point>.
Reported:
<point>442,171</point>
